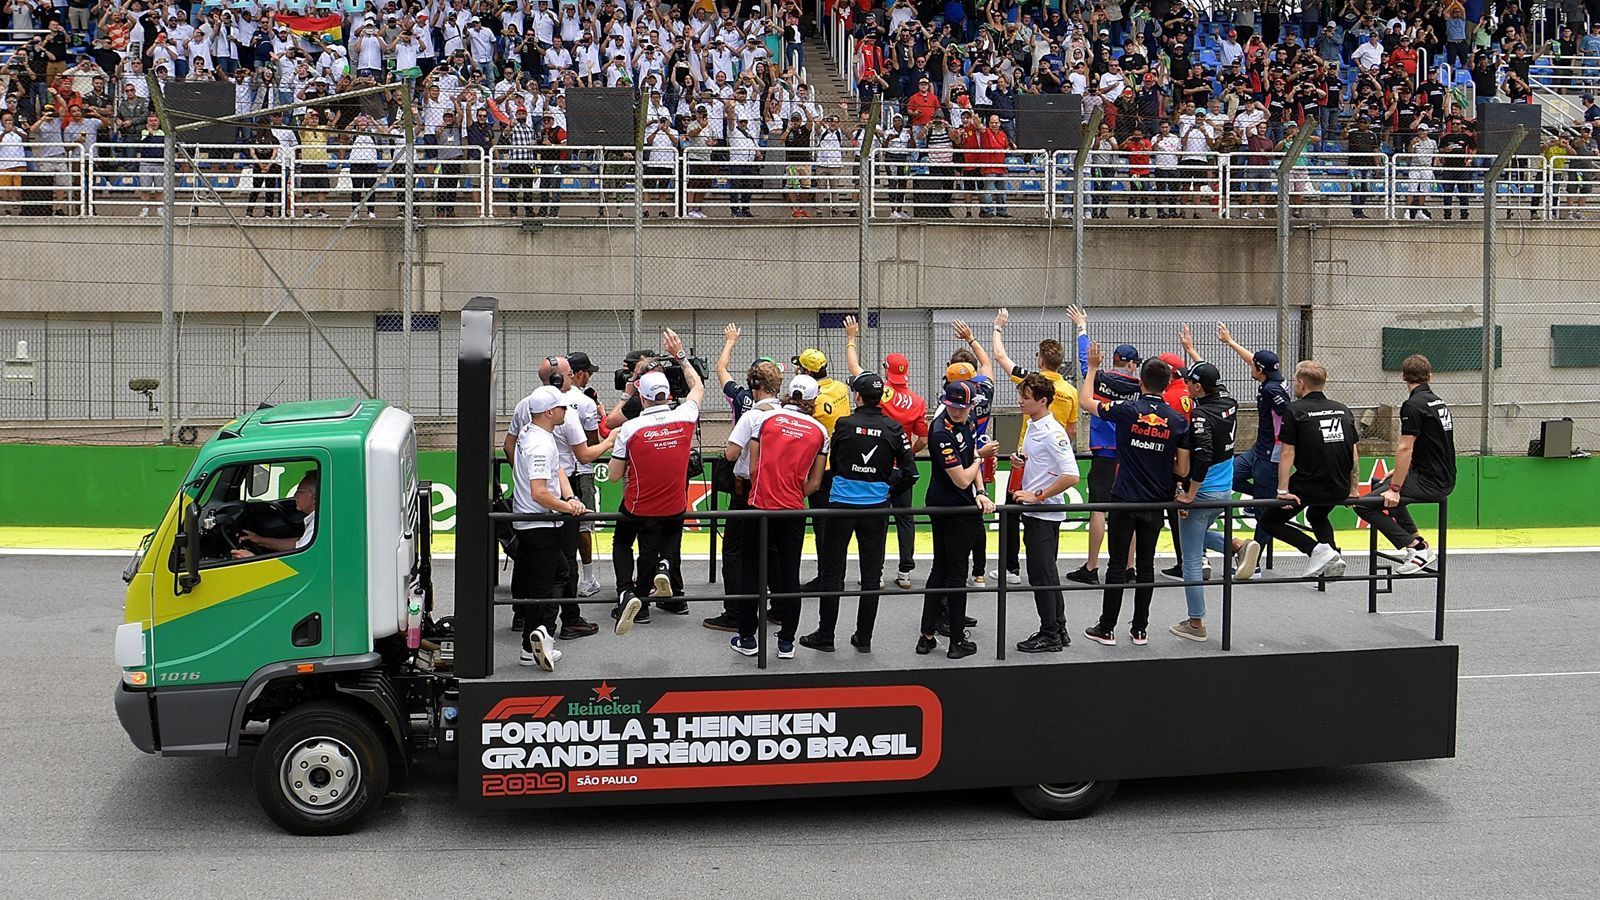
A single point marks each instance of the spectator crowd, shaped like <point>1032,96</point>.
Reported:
<point>728,84</point>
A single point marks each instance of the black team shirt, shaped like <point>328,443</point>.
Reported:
<point>1323,434</point>
<point>1433,453</point>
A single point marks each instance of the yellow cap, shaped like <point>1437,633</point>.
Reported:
<point>812,360</point>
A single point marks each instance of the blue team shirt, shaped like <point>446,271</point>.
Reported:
<point>1272,402</point>
<point>950,445</point>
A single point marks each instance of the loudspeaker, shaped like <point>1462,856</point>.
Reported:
<point>1555,438</point>
<point>212,99</point>
<point>1497,121</point>
<point>1049,121</point>
<point>600,117</point>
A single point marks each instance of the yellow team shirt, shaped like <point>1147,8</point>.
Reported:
<point>1063,408</point>
<point>833,402</point>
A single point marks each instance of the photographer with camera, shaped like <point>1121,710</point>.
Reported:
<point>653,450</point>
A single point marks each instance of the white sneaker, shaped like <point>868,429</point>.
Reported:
<point>144,213</point>
<point>540,651</point>
<point>903,581</point>
<point>980,581</point>
<point>1245,561</point>
<point>588,587</point>
<point>1322,556</point>
<point>696,214</point>
<point>1418,560</point>
<point>321,214</point>
<point>372,215</point>
<point>1335,569</point>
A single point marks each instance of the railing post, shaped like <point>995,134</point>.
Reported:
<point>1438,581</point>
<point>1001,574</point>
<point>1227,579</point>
<point>761,592</point>
<point>1372,568</point>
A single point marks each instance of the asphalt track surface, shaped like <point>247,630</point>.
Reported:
<point>1514,815</point>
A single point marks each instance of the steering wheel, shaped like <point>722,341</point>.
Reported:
<point>226,517</point>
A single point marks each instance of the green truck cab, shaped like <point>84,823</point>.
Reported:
<point>272,606</point>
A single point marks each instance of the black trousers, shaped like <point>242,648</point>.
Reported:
<point>1142,528</point>
<point>1396,524</point>
<point>538,569</point>
<point>954,539</point>
<point>1277,522</point>
<point>786,539</point>
<point>659,537</point>
<point>1042,537</point>
<point>905,530</point>
<point>733,549</point>
<point>870,530</point>
<point>569,560</point>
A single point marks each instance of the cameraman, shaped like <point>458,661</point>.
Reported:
<point>653,450</point>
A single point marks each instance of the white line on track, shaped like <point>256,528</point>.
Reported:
<point>1526,675</point>
<point>701,557</point>
<point>1419,612</point>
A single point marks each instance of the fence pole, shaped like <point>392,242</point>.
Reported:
<point>864,204</point>
<point>1286,166</point>
<point>169,330</point>
<point>637,328</point>
<point>409,264</point>
<point>1491,190</point>
<point>1079,163</point>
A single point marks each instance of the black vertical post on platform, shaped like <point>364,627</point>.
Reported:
<point>712,526</point>
<point>761,593</point>
<point>1372,567</point>
<point>1002,573</point>
<point>1227,579</point>
<point>1438,579</point>
<point>475,479</point>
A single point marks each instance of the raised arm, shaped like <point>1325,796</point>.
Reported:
<point>1226,337</point>
<point>964,334</point>
<point>1080,319</point>
<point>852,330</point>
<point>730,336</point>
<point>1086,400</point>
<point>1001,358</point>
<point>673,344</point>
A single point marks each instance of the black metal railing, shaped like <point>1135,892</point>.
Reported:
<point>1378,578</point>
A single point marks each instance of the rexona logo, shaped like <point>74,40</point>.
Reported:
<point>635,738</point>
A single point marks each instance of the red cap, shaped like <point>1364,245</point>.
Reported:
<point>1172,359</point>
<point>896,369</point>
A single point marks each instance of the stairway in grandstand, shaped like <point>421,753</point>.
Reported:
<point>824,76</point>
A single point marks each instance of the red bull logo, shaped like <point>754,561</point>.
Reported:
<point>1152,420</point>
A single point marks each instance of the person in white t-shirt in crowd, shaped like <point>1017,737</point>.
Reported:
<point>1050,469</point>
<point>1167,146</point>
<point>540,486</point>
<point>652,451</point>
<point>1197,136</point>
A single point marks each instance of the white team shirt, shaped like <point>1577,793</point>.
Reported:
<point>745,429</point>
<point>538,459</point>
<point>1048,450</point>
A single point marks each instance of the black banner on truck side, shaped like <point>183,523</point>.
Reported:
<point>531,743</point>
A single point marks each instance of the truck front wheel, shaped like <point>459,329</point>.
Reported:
<point>321,769</point>
<point>1067,800</point>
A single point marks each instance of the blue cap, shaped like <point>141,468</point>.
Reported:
<point>1267,361</point>
<point>958,394</point>
<point>1127,353</point>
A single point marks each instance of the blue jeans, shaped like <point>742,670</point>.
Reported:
<point>1195,534</point>
<point>994,194</point>
<point>1256,474</point>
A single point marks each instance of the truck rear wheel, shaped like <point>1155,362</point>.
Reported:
<point>1066,800</point>
<point>321,769</point>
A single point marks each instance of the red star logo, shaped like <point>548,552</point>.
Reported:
<point>604,692</point>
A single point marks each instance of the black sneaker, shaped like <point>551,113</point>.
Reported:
<point>577,628</point>
<point>1132,577</point>
<point>722,621</point>
<point>1100,635</point>
<point>1041,642</point>
<point>628,611</point>
<point>969,622</point>
<point>926,644</point>
<point>1176,572</point>
<point>676,607</point>
<point>961,650</point>
<point>517,621</point>
<point>862,646</point>
<point>1139,637</point>
<point>1084,575</point>
<point>663,580</point>
<point>1061,631</point>
<point>816,640</point>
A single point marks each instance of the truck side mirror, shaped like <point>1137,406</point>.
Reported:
<point>190,576</point>
<point>260,481</point>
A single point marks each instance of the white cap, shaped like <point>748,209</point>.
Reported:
<point>543,399</point>
<point>654,386</point>
<point>805,386</point>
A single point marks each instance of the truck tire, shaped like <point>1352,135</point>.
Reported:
<point>1067,800</point>
<point>322,768</point>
